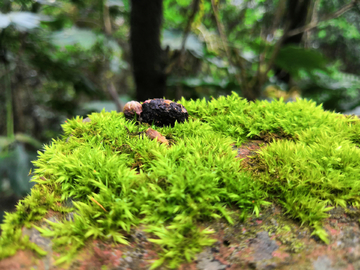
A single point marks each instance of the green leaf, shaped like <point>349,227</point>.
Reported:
<point>157,263</point>
<point>322,34</point>
<point>294,59</point>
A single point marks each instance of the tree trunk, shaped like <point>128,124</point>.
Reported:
<point>147,57</point>
<point>296,15</point>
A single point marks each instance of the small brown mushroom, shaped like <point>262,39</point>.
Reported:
<point>132,109</point>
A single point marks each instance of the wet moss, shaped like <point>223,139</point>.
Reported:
<point>119,179</point>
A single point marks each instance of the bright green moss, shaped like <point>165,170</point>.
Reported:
<point>33,208</point>
<point>109,163</point>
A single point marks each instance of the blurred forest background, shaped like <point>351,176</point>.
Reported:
<point>61,58</point>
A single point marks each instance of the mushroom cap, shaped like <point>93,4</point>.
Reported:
<point>131,109</point>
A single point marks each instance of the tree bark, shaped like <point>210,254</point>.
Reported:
<point>147,56</point>
<point>296,15</point>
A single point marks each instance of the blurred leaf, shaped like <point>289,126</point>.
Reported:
<point>217,61</point>
<point>24,20</point>
<point>204,82</point>
<point>86,39</point>
<point>118,3</point>
<point>322,34</point>
<point>71,36</point>
<point>98,106</point>
<point>16,165</point>
<point>339,91</point>
<point>295,59</point>
<point>21,20</point>
<point>24,138</point>
<point>47,2</point>
<point>4,20</point>
<point>5,142</point>
<point>249,56</point>
<point>174,38</point>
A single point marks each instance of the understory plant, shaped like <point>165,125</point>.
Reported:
<point>117,178</point>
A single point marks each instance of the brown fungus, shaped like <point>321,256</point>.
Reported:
<point>153,134</point>
<point>163,112</point>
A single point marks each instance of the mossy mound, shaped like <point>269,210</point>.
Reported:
<point>117,178</point>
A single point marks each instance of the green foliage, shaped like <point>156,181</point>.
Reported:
<point>15,162</point>
<point>339,92</point>
<point>22,21</point>
<point>32,209</point>
<point>66,58</point>
<point>251,36</point>
<point>318,167</point>
<point>237,118</point>
<point>179,241</point>
<point>307,60</point>
<point>97,159</point>
<point>307,176</point>
<point>119,178</point>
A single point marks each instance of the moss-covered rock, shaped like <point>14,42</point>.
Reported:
<point>106,188</point>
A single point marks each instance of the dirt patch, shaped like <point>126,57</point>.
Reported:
<point>248,151</point>
<point>22,260</point>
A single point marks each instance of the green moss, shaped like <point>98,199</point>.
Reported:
<point>28,211</point>
<point>119,178</point>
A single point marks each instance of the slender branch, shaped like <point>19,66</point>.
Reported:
<point>89,22</point>
<point>314,16</point>
<point>313,19</point>
<point>7,85</point>
<point>106,18</point>
<point>275,53</point>
<point>221,30</point>
<point>9,107</point>
<point>5,73</point>
<point>303,29</point>
<point>110,84</point>
<point>178,57</point>
<point>315,24</point>
<point>278,15</point>
<point>115,97</point>
<point>195,9</point>
<point>242,83</point>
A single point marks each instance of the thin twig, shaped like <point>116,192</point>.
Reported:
<point>195,9</point>
<point>91,198</point>
<point>278,15</point>
<point>178,57</point>
<point>313,19</point>
<point>8,101</point>
<point>115,96</point>
<point>221,30</point>
<point>299,30</point>
<point>274,54</point>
<point>110,85</point>
<point>242,83</point>
<point>106,18</point>
<point>312,25</point>
<point>127,129</point>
